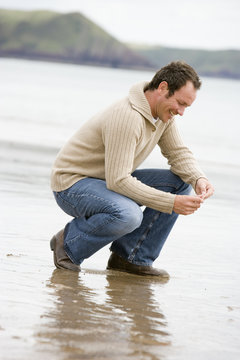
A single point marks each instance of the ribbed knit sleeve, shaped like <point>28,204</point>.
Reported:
<point>121,135</point>
<point>180,158</point>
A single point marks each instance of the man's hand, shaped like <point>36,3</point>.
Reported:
<point>186,204</point>
<point>203,188</point>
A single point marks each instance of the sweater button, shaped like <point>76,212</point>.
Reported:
<point>153,130</point>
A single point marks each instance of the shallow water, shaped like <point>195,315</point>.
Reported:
<point>99,314</point>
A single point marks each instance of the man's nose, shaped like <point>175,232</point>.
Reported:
<point>181,111</point>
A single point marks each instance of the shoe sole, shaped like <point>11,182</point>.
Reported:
<point>163,276</point>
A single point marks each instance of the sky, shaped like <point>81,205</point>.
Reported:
<point>201,24</point>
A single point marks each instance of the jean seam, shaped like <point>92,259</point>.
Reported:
<point>141,240</point>
<point>70,254</point>
<point>66,201</point>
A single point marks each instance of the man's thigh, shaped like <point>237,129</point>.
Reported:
<point>90,196</point>
<point>161,179</point>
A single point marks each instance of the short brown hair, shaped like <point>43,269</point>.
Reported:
<point>176,74</point>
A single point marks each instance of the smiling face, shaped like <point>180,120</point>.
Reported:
<point>166,106</point>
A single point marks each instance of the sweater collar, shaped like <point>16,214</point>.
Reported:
<point>139,101</point>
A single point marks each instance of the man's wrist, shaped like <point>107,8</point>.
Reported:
<point>201,177</point>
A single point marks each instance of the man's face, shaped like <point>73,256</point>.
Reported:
<point>166,107</point>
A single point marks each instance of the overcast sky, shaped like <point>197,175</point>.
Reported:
<point>209,24</point>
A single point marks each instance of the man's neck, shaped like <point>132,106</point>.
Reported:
<point>151,98</point>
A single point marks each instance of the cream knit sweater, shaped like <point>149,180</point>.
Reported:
<point>115,142</point>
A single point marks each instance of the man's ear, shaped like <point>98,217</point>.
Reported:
<point>163,87</point>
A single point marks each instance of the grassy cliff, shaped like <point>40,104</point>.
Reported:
<point>222,63</point>
<point>62,37</point>
<point>73,38</point>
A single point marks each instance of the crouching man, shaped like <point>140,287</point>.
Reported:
<point>96,179</point>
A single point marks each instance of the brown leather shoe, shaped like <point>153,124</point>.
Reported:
<point>115,262</point>
<point>61,260</point>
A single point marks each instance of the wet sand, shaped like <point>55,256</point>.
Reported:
<point>101,314</point>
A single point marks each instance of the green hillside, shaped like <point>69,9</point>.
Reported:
<point>224,63</point>
<point>62,37</point>
<point>73,38</point>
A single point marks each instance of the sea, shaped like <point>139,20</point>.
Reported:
<point>99,314</point>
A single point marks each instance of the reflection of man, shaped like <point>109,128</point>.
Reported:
<point>95,180</point>
<point>82,326</point>
<point>148,326</point>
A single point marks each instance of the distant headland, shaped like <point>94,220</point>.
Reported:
<point>73,38</point>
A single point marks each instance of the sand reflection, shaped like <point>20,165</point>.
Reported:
<point>121,322</point>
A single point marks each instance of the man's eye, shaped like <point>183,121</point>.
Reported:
<point>182,104</point>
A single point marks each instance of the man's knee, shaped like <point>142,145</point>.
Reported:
<point>179,186</point>
<point>129,218</point>
<point>184,189</point>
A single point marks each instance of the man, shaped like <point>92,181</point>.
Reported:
<point>95,177</point>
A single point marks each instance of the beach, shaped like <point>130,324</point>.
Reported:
<point>101,314</point>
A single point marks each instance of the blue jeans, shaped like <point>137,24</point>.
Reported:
<point>102,216</point>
